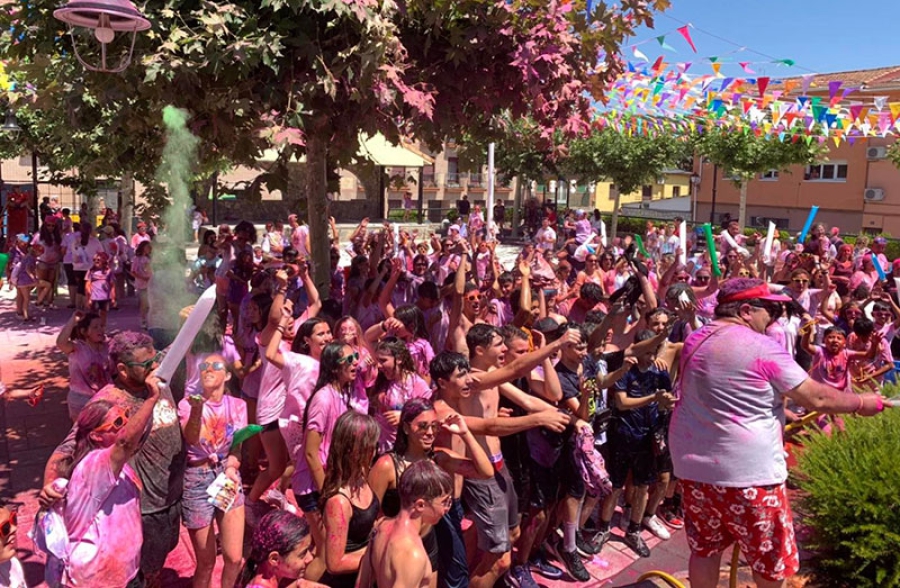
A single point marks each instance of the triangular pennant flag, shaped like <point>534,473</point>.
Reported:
<point>802,101</point>
<point>790,85</point>
<point>687,36</point>
<point>639,55</point>
<point>830,118</point>
<point>746,66</point>
<point>833,88</point>
<point>879,102</point>
<point>895,111</point>
<point>662,43</point>
<point>807,79</point>
<point>725,83</point>
<point>657,65</point>
<point>787,62</point>
<point>716,67</point>
<point>762,84</point>
<point>819,113</point>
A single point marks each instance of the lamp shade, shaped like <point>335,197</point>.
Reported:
<point>11,125</point>
<point>118,15</point>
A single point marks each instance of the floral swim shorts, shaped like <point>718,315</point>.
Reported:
<point>757,518</point>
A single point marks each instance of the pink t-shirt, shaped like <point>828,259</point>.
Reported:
<point>727,425</point>
<point>831,369</point>
<point>101,284</point>
<point>422,353</point>
<point>272,391</point>
<point>299,373</point>
<point>104,512</point>
<point>218,423</point>
<point>140,265</point>
<point>325,407</point>
<point>88,369</point>
<point>396,395</point>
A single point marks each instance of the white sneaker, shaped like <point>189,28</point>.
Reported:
<point>655,526</point>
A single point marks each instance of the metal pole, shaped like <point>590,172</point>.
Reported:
<point>215,199</point>
<point>34,186</point>
<point>489,213</point>
<point>382,199</point>
<point>712,212</point>
<point>421,194</point>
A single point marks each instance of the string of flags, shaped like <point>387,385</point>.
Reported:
<point>654,96</point>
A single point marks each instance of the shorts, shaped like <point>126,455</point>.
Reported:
<point>100,305</point>
<point>758,518</point>
<point>493,506</point>
<point>453,568</point>
<point>637,458</point>
<point>196,511</point>
<point>548,484</point>
<point>273,426</point>
<point>308,502</point>
<point>160,537</point>
<point>79,281</point>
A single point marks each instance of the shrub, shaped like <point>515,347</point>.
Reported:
<point>851,502</point>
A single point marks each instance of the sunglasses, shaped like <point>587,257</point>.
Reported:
<point>473,297</point>
<point>589,260</point>
<point>215,365</point>
<point>116,425</point>
<point>433,426</point>
<point>702,278</point>
<point>6,528</point>
<point>348,359</point>
<point>800,281</point>
<point>144,364</point>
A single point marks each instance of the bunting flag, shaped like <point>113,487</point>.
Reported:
<point>762,84</point>
<point>687,36</point>
<point>833,88</point>
<point>662,43</point>
<point>716,67</point>
<point>745,65</point>
<point>639,55</point>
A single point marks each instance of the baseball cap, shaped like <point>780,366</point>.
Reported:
<point>880,241</point>
<point>748,289</point>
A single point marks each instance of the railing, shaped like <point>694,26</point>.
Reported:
<point>476,181</point>
<point>429,181</point>
<point>453,180</point>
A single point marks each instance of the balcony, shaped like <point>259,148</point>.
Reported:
<point>477,182</point>
<point>429,181</point>
<point>453,180</point>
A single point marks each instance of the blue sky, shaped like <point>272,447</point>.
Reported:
<point>822,36</point>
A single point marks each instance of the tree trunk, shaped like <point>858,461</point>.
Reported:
<point>614,223</point>
<point>742,206</point>
<point>126,188</point>
<point>317,210</point>
<point>517,206</point>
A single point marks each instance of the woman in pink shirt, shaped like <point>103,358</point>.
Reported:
<point>337,390</point>
<point>102,509</point>
<point>397,382</point>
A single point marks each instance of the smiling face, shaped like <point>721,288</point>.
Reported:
<point>8,529</point>
<point>347,333</point>
<point>213,373</point>
<point>387,365</point>
<point>834,343</point>
<point>320,337</point>
<point>292,565</point>
<point>422,431</point>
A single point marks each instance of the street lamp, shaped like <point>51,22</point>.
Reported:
<point>11,125</point>
<point>105,18</point>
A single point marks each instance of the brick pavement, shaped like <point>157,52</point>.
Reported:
<point>28,356</point>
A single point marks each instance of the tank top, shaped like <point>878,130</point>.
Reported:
<point>361,523</point>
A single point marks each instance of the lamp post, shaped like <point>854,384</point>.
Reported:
<point>712,211</point>
<point>104,18</point>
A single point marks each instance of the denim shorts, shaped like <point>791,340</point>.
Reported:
<point>308,502</point>
<point>196,511</point>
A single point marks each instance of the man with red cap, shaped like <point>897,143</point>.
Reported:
<point>726,435</point>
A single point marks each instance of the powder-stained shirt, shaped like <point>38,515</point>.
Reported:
<point>218,423</point>
<point>160,461</point>
<point>727,425</point>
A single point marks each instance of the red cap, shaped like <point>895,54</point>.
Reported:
<point>760,292</point>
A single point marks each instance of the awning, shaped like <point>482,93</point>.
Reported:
<point>376,149</point>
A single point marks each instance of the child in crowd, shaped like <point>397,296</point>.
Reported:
<point>11,573</point>
<point>100,286</point>
<point>142,272</point>
<point>24,278</point>
<point>280,550</point>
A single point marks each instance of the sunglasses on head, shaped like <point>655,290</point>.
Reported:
<point>215,365</point>
<point>348,359</point>
<point>144,364</point>
<point>6,528</point>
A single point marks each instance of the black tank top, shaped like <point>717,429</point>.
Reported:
<point>361,523</point>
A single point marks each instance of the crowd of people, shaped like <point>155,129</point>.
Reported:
<point>439,418</point>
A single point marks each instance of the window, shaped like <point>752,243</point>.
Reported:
<point>769,176</point>
<point>826,172</point>
<point>676,191</point>
<point>647,193</point>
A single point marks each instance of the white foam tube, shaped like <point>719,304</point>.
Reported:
<point>730,240</point>
<point>396,239</point>
<point>770,240</point>
<point>185,338</point>
<point>602,232</point>
<point>682,234</point>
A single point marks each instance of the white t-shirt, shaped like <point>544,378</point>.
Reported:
<point>83,255</point>
<point>727,426</point>
<point>12,575</point>
<point>67,241</point>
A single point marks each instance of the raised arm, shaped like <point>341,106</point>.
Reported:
<point>523,364</point>
<point>64,339</point>
<point>478,465</point>
<point>129,438</point>
<point>312,293</point>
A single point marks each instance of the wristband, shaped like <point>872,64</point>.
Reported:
<point>383,328</point>
<point>879,405</point>
<point>861,403</point>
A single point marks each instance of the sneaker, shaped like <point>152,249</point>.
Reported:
<point>672,519</point>
<point>539,564</point>
<point>600,539</point>
<point>636,543</point>
<point>584,547</point>
<point>520,577</point>
<point>574,565</point>
<point>655,526</point>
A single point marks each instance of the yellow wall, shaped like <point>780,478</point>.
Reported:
<point>604,196</point>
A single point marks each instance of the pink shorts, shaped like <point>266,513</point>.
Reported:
<point>757,518</point>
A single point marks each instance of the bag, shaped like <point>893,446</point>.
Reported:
<point>590,464</point>
<point>660,443</point>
